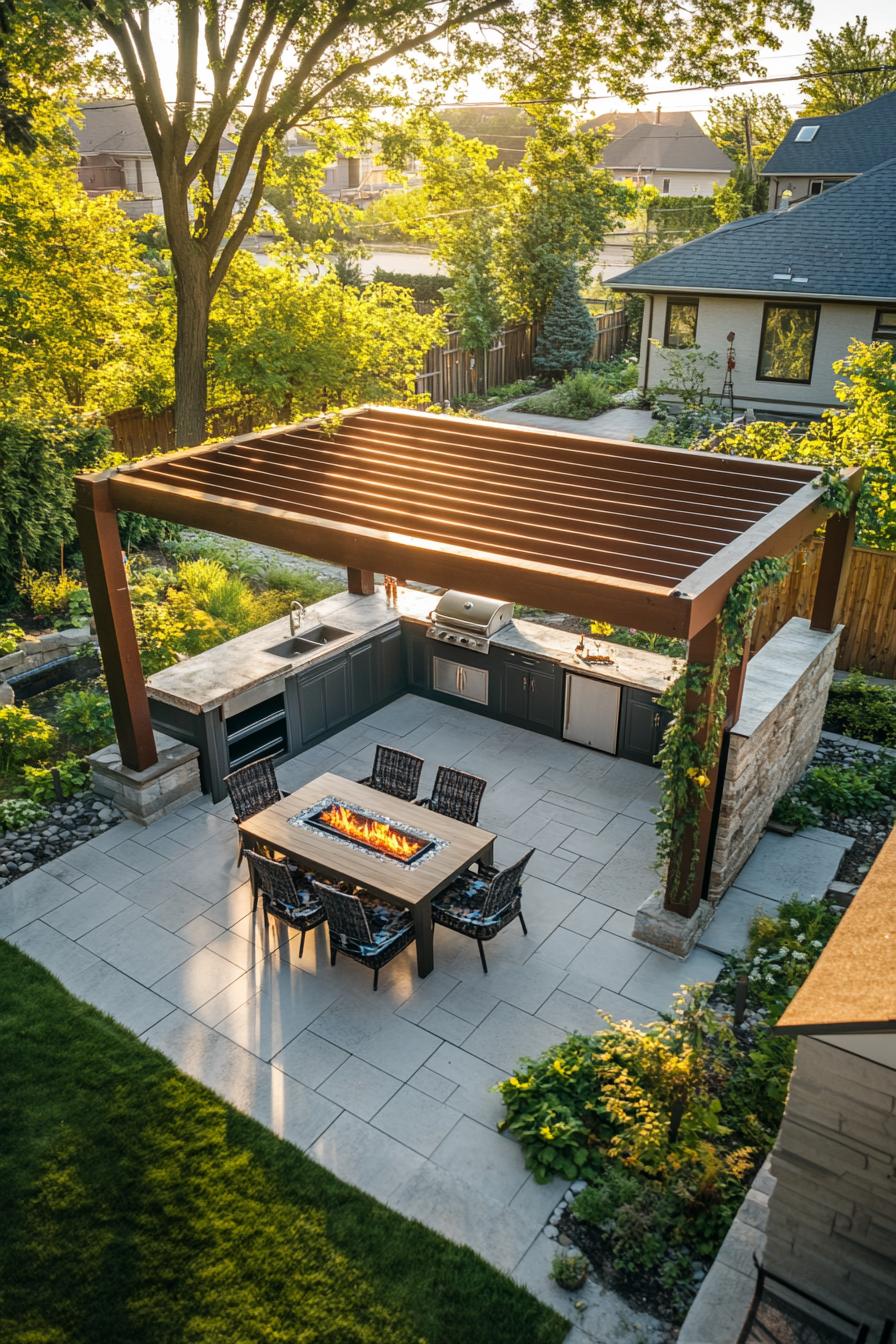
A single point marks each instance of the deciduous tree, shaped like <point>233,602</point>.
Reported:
<point>287,63</point>
<point>851,48</point>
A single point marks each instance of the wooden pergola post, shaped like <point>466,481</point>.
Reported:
<point>833,572</point>
<point>684,891</point>
<point>360,581</point>
<point>108,586</point>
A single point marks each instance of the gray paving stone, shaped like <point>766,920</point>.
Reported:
<point>730,925</point>
<point>139,857</point>
<point>204,932</point>
<point>528,986</point>
<point>588,917</point>
<point>429,993</point>
<point>536,1202</point>
<point>269,1095</point>
<point>309,1058</point>
<point>64,871</point>
<point>782,866</point>
<point>398,1047</point>
<point>287,1002</point>
<point>88,909</point>
<point>359,1087</point>
<point>570,1013</point>
<point>622,1009</point>
<point>609,959</point>
<point>113,992</point>
<point>579,986</point>
<point>488,1161</point>
<point>102,867</point>
<point>620,922</point>
<point>178,910</point>
<point>29,898</point>
<point>141,949</point>
<point>563,945</point>
<point>366,1157</point>
<point>659,978</point>
<point>630,876</point>
<point>579,873</point>
<point>607,842</point>
<point>230,909</point>
<point>507,1034</point>
<point>197,979</point>
<point>419,1121</point>
<point>64,958</point>
<point>152,890</point>
<point>470,999</point>
<point>433,1084</point>
<point>553,834</point>
<point>446,1025</point>
<point>452,1206</point>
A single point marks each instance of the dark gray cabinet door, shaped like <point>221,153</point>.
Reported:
<point>324,699</point>
<point>391,674</point>
<point>362,674</point>
<point>642,727</point>
<point>418,660</point>
<point>544,706</point>
<point>515,691</point>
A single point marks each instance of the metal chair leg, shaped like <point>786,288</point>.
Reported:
<point>482,955</point>
<point>376,979</point>
<point>523,922</point>
<point>302,943</point>
<point>332,954</point>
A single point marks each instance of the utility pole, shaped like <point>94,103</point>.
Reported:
<point>748,139</point>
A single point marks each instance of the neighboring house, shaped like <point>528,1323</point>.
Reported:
<point>353,177</point>
<point>116,157</point>
<point>818,152</point>
<point>666,150</point>
<point>794,285</point>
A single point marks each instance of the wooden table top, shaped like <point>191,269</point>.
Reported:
<point>401,884</point>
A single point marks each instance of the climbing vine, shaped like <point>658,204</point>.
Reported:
<point>835,493</point>
<point>690,749</point>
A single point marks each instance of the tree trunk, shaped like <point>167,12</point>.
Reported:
<point>191,349</point>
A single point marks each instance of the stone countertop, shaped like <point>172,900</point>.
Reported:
<point>220,674</point>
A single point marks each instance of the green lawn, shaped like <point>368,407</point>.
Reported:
<point>136,1207</point>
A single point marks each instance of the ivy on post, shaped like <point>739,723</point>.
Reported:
<point>703,699</point>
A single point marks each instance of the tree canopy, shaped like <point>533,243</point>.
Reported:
<point>851,48</point>
<point>769,122</point>
<point>257,71</point>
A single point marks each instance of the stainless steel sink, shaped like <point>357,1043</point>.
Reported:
<point>315,637</point>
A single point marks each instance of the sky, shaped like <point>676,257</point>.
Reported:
<point>829,15</point>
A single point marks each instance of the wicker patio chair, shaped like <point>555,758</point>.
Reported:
<point>479,905</point>
<point>364,929</point>
<point>286,892</point>
<point>456,794</point>
<point>794,1312</point>
<point>252,788</point>
<point>396,772</point>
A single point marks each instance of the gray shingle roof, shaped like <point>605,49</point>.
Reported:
<point>851,142</point>
<point>662,146</point>
<point>840,244</point>
<point>113,126</point>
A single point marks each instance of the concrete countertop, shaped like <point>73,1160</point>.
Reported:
<point>220,674</point>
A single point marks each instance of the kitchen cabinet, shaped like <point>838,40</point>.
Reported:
<point>362,678</point>
<point>324,699</point>
<point>530,693</point>
<point>391,678</point>
<point>642,725</point>
<point>418,655</point>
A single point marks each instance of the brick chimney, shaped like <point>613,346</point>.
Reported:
<point>658,115</point>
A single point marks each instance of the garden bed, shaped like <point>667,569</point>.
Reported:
<point>64,826</point>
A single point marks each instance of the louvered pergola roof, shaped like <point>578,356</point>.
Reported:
<point>638,535</point>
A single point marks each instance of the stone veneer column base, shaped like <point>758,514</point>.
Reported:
<point>146,795</point>
<point>667,931</point>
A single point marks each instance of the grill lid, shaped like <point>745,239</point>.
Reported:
<point>471,612</point>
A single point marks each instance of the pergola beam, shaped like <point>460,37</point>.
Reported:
<point>108,586</point>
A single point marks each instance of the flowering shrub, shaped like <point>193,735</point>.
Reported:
<point>23,737</point>
<point>781,951</point>
<point>10,635</point>
<point>68,776</point>
<point>17,813</point>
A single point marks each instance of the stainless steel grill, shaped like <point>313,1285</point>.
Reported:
<point>467,620</point>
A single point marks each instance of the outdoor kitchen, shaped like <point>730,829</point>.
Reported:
<point>277,690</point>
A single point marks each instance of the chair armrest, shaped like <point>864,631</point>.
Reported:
<point>423,802</point>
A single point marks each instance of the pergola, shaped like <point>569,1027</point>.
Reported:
<point>641,536</point>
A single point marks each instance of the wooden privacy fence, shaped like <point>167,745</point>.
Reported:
<point>450,372</point>
<point>137,434</point>
<point>869,607</point>
<point>612,334</point>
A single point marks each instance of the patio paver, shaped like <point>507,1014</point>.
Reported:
<point>391,1091</point>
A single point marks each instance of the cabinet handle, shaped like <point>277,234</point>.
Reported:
<point>463,679</point>
<point>525,683</point>
<point>457,679</point>
<point>656,720</point>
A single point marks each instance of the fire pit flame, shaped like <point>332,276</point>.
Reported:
<point>378,835</point>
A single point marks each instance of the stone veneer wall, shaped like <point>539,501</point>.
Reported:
<point>831,1226</point>
<point>37,650</point>
<point>773,740</point>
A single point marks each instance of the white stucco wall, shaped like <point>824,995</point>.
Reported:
<point>838,324</point>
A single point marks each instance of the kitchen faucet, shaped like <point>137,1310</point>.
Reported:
<point>296,617</point>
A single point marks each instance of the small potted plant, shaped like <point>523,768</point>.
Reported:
<point>569,1271</point>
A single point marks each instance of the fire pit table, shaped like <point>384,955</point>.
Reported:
<point>397,851</point>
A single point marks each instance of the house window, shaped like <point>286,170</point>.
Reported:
<point>885,326</point>
<point>681,324</point>
<point>787,343</point>
<point>667,182</point>
<point>820,184</point>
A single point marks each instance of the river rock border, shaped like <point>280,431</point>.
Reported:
<point>66,825</point>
